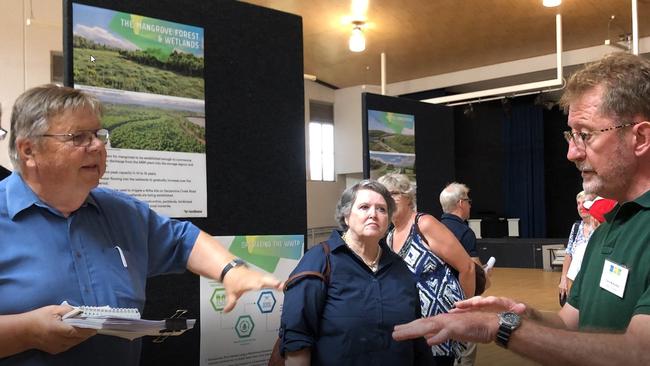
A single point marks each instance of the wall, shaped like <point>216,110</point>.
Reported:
<point>348,159</point>
<point>25,56</point>
<point>347,133</point>
<point>321,196</point>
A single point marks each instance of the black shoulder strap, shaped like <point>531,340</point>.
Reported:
<point>324,276</point>
<point>574,231</point>
<point>417,226</point>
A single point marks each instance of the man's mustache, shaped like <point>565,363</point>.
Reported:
<point>582,166</point>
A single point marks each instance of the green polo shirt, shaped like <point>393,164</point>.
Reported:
<point>623,239</point>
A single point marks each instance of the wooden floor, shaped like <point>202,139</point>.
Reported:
<point>532,286</point>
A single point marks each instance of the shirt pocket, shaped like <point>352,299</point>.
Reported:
<point>125,279</point>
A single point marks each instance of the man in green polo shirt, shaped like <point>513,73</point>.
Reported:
<point>607,318</point>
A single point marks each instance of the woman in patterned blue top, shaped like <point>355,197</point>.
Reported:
<point>443,270</point>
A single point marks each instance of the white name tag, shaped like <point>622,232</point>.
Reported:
<point>614,278</point>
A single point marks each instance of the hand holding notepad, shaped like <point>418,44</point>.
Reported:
<point>124,322</point>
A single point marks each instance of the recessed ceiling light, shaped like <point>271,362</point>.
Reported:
<point>551,3</point>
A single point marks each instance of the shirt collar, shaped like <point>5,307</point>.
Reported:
<point>643,201</point>
<point>335,242</point>
<point>452,217</point>
<point>22,197</point>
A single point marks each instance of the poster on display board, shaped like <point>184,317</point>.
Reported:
<point>391,143</point>
<point>148,74</point>
<point>245,336</point>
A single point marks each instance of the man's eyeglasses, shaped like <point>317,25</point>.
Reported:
<point>468,200</point>
<point>82,138</point>
<point>580,139</point>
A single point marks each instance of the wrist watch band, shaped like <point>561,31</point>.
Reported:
<point>232,264</point>
<point>508,322</point>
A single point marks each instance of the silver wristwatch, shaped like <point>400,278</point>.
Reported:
<point>508,322</point>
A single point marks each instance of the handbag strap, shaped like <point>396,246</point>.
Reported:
<point>323,276</point>
<point>574,231</point>
<point>417,226</point>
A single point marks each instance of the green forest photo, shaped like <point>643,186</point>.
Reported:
<point>151,128</point>
<point>181,74</point>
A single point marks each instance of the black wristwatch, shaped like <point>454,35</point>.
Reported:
<point>232,264</point>
<point>508,322</point>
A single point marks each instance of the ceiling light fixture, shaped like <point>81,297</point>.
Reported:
<point>551,3</point>
<point>357,38</point>
<point>359,9</point>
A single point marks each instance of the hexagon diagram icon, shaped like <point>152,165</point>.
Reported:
<point>244,326</point>
<point>218,299</point>
<point>266,302</point>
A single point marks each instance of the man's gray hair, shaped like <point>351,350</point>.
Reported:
<point>344,206</point>
<point>625,79</point>
<point>451,195</point>
<point>34,109</point>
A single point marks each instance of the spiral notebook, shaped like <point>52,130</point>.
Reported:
<point>124,322</point>
<point>107,312</point>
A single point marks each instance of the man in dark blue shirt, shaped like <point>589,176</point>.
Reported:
<point>456,206</point>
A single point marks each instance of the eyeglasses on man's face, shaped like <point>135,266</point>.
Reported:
<point>580,139</point>
<point>82,138</point>
<point>468,200</point>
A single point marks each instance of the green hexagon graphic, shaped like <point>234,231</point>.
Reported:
<point>218,299</point>
<point>244,326</point>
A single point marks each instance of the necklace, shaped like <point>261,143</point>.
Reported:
<point>373,264</point>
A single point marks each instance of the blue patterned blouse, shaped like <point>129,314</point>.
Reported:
<point>438,286</point>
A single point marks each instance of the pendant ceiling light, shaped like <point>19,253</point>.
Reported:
<point>357,38</point>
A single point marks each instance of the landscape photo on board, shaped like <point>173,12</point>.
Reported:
<point>149,75</point>
<point>391,143</point>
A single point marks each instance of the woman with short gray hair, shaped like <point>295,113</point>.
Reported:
<point>348,197</point>
<point>348,317</point>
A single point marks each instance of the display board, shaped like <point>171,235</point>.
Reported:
<point>254,107</point>
<point>432,142</point>
<point>245,336</point>
<point>391,143</point>
<point>148,74</point>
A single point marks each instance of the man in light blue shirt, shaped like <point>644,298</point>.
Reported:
<point>64,239</point>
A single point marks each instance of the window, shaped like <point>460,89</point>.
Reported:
<point>321,142</point>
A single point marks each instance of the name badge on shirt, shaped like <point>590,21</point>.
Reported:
<point>614,278</point>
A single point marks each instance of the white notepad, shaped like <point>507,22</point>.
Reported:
<point>107,311</point>
<point>122,322</point>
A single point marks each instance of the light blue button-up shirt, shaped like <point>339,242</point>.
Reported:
<point>100,255</point>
